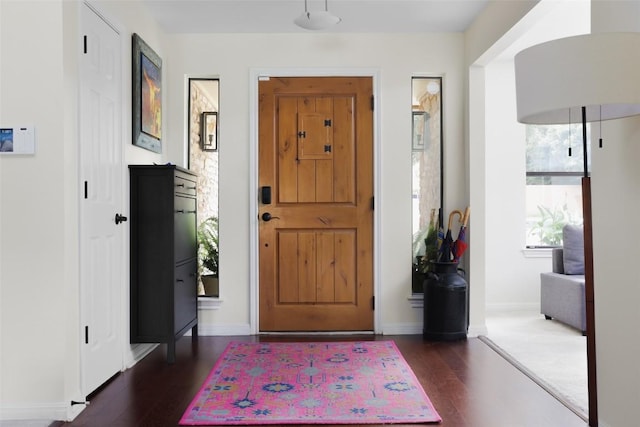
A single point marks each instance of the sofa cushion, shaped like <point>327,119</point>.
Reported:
<point>573,245</point>
<point>557,260</point>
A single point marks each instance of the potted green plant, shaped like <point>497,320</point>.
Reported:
<point>208,256</point>
<point>424,252</point>
<point>419,261</point>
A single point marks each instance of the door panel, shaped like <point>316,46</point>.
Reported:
<point>100,171</point>
<point>316,254</point>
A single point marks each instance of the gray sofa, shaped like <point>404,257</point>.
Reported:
<point>562,290</point>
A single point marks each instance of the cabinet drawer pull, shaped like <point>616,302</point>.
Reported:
<point>188,188</point>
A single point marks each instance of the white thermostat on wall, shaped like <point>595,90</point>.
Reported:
<point>17,140</point>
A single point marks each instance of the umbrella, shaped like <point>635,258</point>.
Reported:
<point>445,250</point>
<point>460,245</point>
<point>440,232</point>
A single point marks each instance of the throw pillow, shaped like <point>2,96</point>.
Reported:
<point>573,244</point>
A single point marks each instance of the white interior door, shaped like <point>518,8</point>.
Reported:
<point>101,198</point>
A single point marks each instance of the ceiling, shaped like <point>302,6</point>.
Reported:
<point>276,16</point>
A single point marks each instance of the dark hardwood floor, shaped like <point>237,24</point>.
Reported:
<point>468,383</point>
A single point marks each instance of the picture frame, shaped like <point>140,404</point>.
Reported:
<point>146,96</point>
<point>209,131</point>
<point>420,136</point>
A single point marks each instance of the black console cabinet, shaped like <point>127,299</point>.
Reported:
<point>164,300</point>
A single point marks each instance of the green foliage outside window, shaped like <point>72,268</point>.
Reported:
<point>549,226</point>
<point>548,148</point>
<point>554,167</point>
<point>208,246</point>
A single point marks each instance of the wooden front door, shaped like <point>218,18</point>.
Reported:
<point>316,157</point>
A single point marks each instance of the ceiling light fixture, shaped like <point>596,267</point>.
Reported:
<point>318,20</point>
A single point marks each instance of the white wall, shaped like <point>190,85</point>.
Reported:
<point>616,286</point>
<point>614,188</point>
<point>497,19</point>
<point>33,228</point>
<point>39,271</point>
<point>506,272</point>
<point>231,57</point>
<point>481,38</point>
<point>513,280</point>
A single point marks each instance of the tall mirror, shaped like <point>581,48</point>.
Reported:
<point>203,132</point>
<point>426,183</point>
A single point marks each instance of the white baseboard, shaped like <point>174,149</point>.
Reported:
<point>402,329</point>
<point>242,329</point>
<point>501,308</point>
<point>36,415</point>
<point>137,353</point>
<point>25,423</point>
<point>245,329</point>
<point>210,329</point>
<point>474,331</point>
<point>33,414</point>
<point>477,330</point>
<point>414,328</point>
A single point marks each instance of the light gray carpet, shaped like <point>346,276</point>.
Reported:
<point>551,353</point>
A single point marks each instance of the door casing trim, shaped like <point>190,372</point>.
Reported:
<point>255,74</point>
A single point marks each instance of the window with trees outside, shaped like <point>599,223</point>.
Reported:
<point>553,184</point>
<point>426,159</point>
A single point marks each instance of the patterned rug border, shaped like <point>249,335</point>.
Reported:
<point>430,414</point>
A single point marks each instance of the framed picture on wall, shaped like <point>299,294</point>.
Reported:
<point>147,96</point>
<point>209,133</point>
<point>420,130</point>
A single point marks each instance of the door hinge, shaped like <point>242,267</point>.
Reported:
<point>373,202</point>
<point>372,102</point>
<point>86,190</point>
<point>373,303</point>
<point>86,334</point>
<point>327,122</point>
<point>302,134</point>
<point>85,44</point>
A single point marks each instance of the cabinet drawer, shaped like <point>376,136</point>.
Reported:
<point>185,295</point>
<point>185,185</point>
<point>186,245</point>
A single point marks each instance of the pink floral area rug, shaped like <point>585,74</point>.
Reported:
<point>365,382</point>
